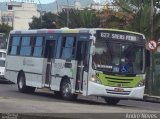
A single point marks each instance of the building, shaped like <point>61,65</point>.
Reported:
<point>6,17</point>
<point>76,6</point>
<point>99,7</point>
<point>19,14</point>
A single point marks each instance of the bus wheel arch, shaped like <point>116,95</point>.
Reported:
<point>21,81</point>
<point>66,90</point>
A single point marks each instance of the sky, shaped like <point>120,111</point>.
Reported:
<point>49,1</point>
<point>43,1</point>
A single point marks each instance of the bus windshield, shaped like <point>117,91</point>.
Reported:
<point>118,57</point>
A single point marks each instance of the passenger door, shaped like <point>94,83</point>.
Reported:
<point>49,54</point>
<point>82,57</point>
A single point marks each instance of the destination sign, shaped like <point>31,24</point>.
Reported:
<point>119,36</point>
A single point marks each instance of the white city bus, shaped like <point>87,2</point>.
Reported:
<point>107,63</point>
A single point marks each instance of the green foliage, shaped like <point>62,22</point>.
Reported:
<point>113,19</point>
<point>133,15</point>
<point>141,10</point>
<point>36,23</point>
<point>48,20</point>
<point>45,21</point>
<point>5,28</point>
<point>78,19</point>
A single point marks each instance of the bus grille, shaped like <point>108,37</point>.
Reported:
<point>119,80</point>
<point>120,93</point>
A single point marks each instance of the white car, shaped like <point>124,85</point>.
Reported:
<point>2,68</point>
<point>2,53</point>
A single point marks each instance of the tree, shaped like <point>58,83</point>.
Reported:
<point>141,10</point>
<point>45,21</point>
<point>78,18</point>
<point>36,23</point>
<point>113,19</point>
<point>5,28</point>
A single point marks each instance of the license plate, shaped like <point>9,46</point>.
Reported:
<point>118,89</point>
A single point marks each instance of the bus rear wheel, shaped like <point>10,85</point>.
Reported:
<point>112,101</point>
<point>22,85</point>
<point>66,90</point>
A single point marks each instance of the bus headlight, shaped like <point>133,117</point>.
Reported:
<point>141,83</point>
<point>95,79</point>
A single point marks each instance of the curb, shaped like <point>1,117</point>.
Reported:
<point>65,116</point>
<point>149,98</point>
<point>31,116</point>
<point>41,116</point>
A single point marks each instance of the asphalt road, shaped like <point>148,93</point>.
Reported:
<point>11,101</point>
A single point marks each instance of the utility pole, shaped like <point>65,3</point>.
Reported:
<point>57,6</point>
<point>151,54</point>
<point>67,13</point>
<point>152,12</point>
<point>40,12</point>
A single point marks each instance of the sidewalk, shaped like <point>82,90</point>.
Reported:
<point>150,98</point>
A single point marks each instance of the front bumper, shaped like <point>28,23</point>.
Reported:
<point>106,91</point>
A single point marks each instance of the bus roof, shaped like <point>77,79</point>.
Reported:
<point>67,30</point>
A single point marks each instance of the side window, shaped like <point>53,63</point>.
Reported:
<point>68,47</point>
<point>38,47</point>
<point>58,50</point>
<point>25,46</point>
<point>14,45</point>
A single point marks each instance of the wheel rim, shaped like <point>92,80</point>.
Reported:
<point>21,82</point>
<point>67,89</point>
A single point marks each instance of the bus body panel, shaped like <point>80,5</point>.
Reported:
<point>59,71</point>
<point>32,68</point>
<point>11,76</point>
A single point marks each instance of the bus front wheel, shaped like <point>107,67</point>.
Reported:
<point>66,90</point>
<point>112,101</point>
<point>22,85</point>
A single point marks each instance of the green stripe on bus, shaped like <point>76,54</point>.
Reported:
<point>114,81</point>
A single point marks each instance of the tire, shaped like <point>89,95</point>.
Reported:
<point>112,101</point>
<point>66,90</point>
<point>30,89</point>
<point>22,85</point>
<point>58,94</point>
